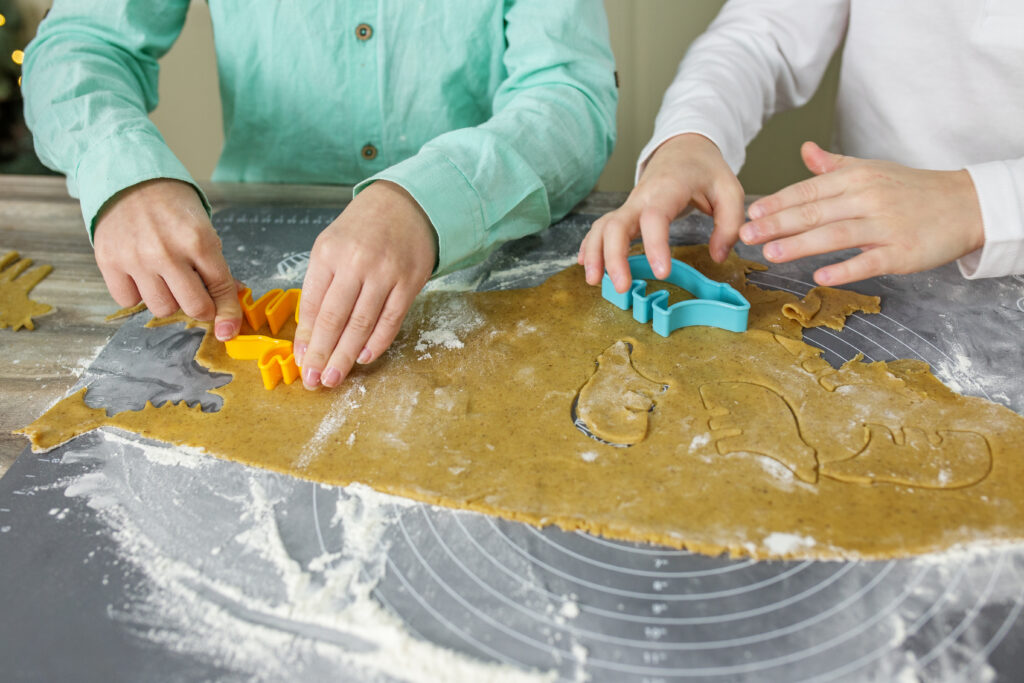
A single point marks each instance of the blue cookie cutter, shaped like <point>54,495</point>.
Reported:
<point>717,304</point>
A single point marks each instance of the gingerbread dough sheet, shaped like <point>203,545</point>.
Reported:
<point>551,406</point>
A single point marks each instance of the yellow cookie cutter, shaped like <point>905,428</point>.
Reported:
<point>274,357</point>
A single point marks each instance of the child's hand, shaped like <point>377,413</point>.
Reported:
<point>155,243</point>
<point>684,170</point>
<point>365,270</point>
<point>903,219</point>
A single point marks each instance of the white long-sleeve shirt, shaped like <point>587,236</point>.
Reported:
<point>931,84</point>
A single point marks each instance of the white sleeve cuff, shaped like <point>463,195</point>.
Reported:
<point>1000,188</point>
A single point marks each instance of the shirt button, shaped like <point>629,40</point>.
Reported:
<point>369,152</point>
<point>364,32</point>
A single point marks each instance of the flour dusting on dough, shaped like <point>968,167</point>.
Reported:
<point>331,423</point>
<point>699,441</point>
<point>782,544</point>
<point>443,338</point>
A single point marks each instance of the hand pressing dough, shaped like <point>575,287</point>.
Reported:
<point>735,437</point>
<point>16,309</point>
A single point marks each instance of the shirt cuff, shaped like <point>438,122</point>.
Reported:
<point>1000,189</point>
<point>449,200</point>
<point>119,162</point>
<point>664,133</point>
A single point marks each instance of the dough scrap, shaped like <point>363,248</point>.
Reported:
<point>830,307</point>
<point>484,421</point>
<point>16,309</point>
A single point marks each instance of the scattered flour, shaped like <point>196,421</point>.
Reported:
<point>699,441</point>
<point>444,338</point>
<point>590,456</point>
<point>334,420</point>
<point>570,609</point>
<point>237,596</point>
<point>781,544</point>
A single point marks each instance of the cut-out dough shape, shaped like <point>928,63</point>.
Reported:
<point>750,418</point>
<point>830,307</point>
<point>16,309</point>
<point>943,459</point>
<point>615,403</point>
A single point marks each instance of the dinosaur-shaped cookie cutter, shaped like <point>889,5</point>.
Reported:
<point>274,357</point>
<point>717,303</point>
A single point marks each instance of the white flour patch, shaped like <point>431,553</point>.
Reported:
<point>699,441</point>
<point>570,609</point>
<point>448,325</point>
<point>590,456</point>
<point>775,468</point>
<point>782,544</point>
<point>233,583</point>
<point>443,338</point>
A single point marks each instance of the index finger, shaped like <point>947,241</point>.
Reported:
<point>803,192</point>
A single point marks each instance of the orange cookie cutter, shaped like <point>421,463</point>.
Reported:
<point>274,357</point>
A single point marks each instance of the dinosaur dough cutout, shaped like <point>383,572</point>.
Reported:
<point>16,309</point>
<point>471,408</point>
<point>614,403</point>
<point>753,418</point>
<point>913,457</point>
<point>830,307</point>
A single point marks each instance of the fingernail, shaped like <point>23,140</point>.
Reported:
<point>755,212</point>
<point>331,377</point>
<point>748,233</point>
<point>824,276</point>
<point>590,270</point>
<point>310,378</point>
<point>299,350</point>
<point>772,251</point>
<point>364,356</point>
<point>225,330</point>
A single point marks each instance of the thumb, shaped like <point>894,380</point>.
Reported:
<point>223,288</point>
<point>819,161</point>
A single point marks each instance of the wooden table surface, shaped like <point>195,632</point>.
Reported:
<point>40,221</point>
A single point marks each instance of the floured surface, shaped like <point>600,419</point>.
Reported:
<point>473,407</point>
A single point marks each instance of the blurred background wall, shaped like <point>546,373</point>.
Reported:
<point>649,37</point>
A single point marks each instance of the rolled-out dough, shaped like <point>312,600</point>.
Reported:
<point>16,309</point>
<point>706,440</point>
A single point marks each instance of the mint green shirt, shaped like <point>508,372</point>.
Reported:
<point>497,117</point>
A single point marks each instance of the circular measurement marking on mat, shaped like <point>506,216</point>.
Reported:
<point>573,603</point>
<point>594,609</point>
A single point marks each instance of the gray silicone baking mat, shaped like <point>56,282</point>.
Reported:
<point>125,560</point>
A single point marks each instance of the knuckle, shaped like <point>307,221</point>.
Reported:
<point>314,358</point>
<point>199,308</point>
<point>842,234</point>
<point>810,213</point>
<point>807,191</point>
<point>361,322</point>
<point>331,320</point>
<point>221,287</point>
<point>160,307</point>
<point>391,319</point>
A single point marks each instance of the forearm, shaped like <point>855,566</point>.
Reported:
<point>90,80</point>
